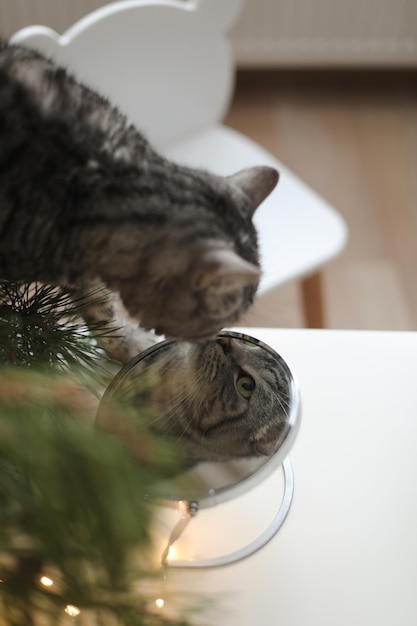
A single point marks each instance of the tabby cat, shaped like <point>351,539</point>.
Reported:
<point>85,200</point>
<point>215,401</point>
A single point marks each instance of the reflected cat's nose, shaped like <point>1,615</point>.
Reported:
<point>224,342</point>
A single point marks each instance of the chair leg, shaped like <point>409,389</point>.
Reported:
<point>312,300</point>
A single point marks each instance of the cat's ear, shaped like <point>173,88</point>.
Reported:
<point>265,448</point>
<point>223,269</point>
<point>257,183</point>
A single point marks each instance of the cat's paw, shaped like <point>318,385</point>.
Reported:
<point>129,341</point>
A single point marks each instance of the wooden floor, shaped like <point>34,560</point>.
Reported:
<point>353,138</point>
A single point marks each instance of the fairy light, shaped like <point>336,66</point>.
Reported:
<point>159,603</point>
<point>172,552</point>
<point>72,611</point>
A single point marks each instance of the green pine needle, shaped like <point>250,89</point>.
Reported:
<point>42,326</point>
<point>73,499</point>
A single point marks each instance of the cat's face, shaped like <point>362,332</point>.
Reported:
<point>194,304</point>
<point>241,404</point>
<point>221,400</point>
<point>205,272</point>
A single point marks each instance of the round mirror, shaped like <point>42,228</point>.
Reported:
<point>230,407</point>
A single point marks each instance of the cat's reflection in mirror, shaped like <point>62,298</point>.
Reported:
<point>217,401</point>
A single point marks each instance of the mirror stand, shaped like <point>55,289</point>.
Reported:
<point>189,510</point>
<point>238,486</point>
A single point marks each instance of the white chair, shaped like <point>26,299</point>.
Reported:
<point>168,65</point>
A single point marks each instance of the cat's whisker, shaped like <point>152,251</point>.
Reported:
<point>282,403</point>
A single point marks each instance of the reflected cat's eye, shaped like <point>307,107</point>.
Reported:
<point>245,385</point>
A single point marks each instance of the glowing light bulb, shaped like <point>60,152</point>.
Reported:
<point>172,552</point>
<point>46,581</point>
<point>72,611</point>
<point>159,602</point>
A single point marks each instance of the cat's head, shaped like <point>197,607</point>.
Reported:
<point>242,403</point>
<point>202,272</point>
<point>216,401</point>
<point>234,400</point>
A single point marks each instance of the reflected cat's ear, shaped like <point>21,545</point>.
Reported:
<point>265,448</point>
<point>257,183</point>
<point>223,270</point>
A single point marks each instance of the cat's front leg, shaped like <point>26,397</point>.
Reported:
<point>124,339</point>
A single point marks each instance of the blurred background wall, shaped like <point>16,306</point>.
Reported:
<point>277,33</point>
<point>327,32</point>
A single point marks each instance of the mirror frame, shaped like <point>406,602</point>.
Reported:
<point>216,496</point>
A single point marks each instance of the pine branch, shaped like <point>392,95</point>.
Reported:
<point>42,326</point>
<point>73,498</point>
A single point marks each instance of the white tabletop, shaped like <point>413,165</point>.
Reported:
<point>347,553</point>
